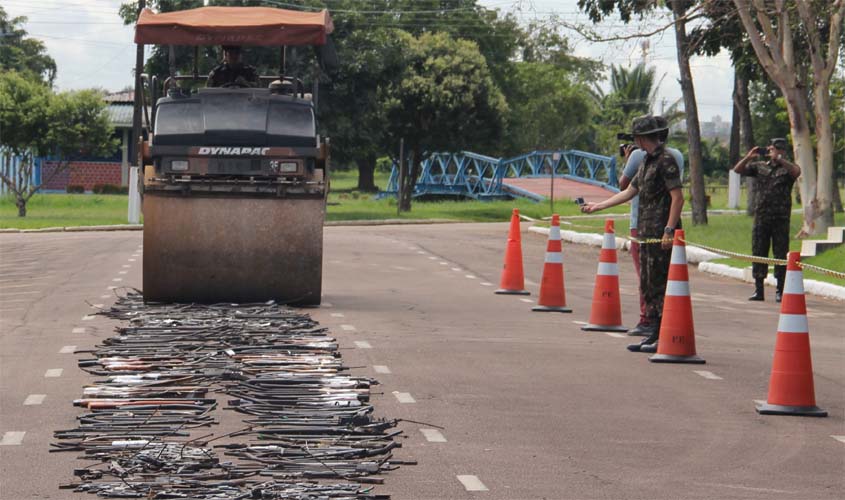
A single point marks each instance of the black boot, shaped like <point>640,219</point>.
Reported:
<point>779,291</point>
<point>651,340</point>
<point>758,291</point>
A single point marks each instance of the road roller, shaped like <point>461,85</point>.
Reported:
<point>235,178</point>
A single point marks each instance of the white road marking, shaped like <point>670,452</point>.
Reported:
<point>420,252</point>
<point>327,304</point>
<point>580,322</point>
<point>472,483</point>
<point>53,373</point>
<point>760,402</point>
<point>615,335</point>
<point>17,301</point>
<point>431,257</point>
<point>131,260</point>
<point>485,283</point>
<point>34,399</point>
<point>469,276</point>
<point>117,279</point>
<point>136,255</point>
<point>348,328</point>
<point>381,369</point>
<point>708,375</point>
<point>122,272</point>
<point>87,317</point>
<point>532,283</point>
<point>68,349</point>
<point>442,263</point>
<point>841,439</point>
<point>433,436</point>
<point>363,344</point>
<point>97,306</point>
<point>11,309</point>
<point>24,285</point>
<point>527,301</point>
<point>338,315</point>
<point>404,397</point>
<point>79,329</point>
<point>458,269</point>
<point>19,293</point>
<point>111,287</point>
<point>126,266</point>
<point>106,296</point>
<point>12,438</point>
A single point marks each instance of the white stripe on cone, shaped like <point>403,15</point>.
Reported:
<point>608,269</point>
<point>677,288</point>
<point>793,323</point>
<point>609,242</point>
<point>794,283</point>
<point>679,255</point>
<point>554,233</point>
<point>554,258</point>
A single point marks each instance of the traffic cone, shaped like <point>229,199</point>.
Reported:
<point>552,291</point>
<point>606,313</point>
<point>676,343</point>
<point>513,279</point>
<point>791,389</point>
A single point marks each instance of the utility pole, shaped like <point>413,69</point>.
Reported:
<point>401,184</point>
<point>136,114</point>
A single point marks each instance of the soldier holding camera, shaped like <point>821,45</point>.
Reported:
<point>774,177</point>
<point>658,184</point>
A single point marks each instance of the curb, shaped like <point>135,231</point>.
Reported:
<point>702,258</point>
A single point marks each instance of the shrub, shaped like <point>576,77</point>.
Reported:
<point>76,189</point>
<point>110,189</point>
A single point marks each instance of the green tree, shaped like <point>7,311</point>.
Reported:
<point>22,54</point>
<point>443,100</point>
<point>34,121</point>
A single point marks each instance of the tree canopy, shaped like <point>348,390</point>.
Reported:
<point>21,53</point>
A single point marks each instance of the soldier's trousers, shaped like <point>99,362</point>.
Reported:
<point>654,271</point>
<point>774,232</point>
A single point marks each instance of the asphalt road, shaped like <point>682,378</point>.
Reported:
<point>530,406</point>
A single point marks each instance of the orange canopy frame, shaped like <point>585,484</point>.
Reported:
<point>234,26</point>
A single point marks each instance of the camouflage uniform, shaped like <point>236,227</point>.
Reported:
<point>773,204</point>
<point>223,74</point>
<point>654,180</point>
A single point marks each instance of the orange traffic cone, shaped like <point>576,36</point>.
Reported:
<point>513,279</point>
<point>791,389</point>
<point>677,334</point>
<point>552,291</point>
<point>606,313</point>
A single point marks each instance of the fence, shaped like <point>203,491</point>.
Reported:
<point>10,166</point>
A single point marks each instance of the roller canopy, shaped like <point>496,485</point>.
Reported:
<point>234,26</point>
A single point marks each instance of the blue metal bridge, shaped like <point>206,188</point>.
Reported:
<point>471,175</point>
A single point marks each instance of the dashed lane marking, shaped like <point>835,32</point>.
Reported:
<point>106,296</point>
<point>131,260</point>
<point>97,306</point>
<point>708,375</point>
<point>431,257</point>
<point>404,397</point>
<point>87,317</point>
<point>469,276</point>
<point>532,283</point>
<point>348,328</point>
<point>12,438</point>
<point>53,373</point>
<point>327,304</point>
<point>19,293</point>
<point>433,436</point>
<point>23,285</point>
<point>68,349</point>
<point>34,399</point>
<point>457,269</point>
<point>126,266</point>
<point>111,287</point>
<point>527,301</point>
<point>472,483</point>
<point>338,315</point>
<point>381,369</point>
<point>122,272</point>
<point>78,329</point>
<point>615,335</point>
<point>580,322</point>
<point>421,252</point>
<point>442,263</point>
<point>485,283</point>
<point>363,344</point>
<point>841,439</point>
<point>117,279</point>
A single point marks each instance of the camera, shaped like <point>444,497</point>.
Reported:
<point>621,136</point>
<point>625,146</point>
<point>762,150</point>
<point>579,201</point>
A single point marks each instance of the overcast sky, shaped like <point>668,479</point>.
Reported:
<point>93,49</point>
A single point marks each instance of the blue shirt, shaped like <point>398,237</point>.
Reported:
<point>634,161</point>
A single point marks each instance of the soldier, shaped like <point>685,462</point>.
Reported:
<point>658,183</point>
<point>232,72</point>
<point>634,158</point>
<point>773,181</point>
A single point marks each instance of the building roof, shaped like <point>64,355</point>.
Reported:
<point>124,97</point>
<point>120,115</point>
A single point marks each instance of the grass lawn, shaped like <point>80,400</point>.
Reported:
<point>61,210</point>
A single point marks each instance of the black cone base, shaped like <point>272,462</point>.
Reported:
<point>802,411</point>
<point>604,328</point>
<point>502,291</point>
<point>551,309</point>
<point>668,358</point>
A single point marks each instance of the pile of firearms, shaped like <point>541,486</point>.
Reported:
<point>307,423</point>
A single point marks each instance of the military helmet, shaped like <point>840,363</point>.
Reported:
<point>648,124</point>
<point>779,143</point>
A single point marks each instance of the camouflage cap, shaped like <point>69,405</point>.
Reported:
<point>648,124</point>
<point>780,143</point>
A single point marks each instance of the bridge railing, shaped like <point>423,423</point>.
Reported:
<point>478,176</point>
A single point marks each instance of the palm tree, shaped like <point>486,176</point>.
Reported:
<point>633,92</point>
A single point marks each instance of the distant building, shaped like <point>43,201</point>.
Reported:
<point>110,170</point>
